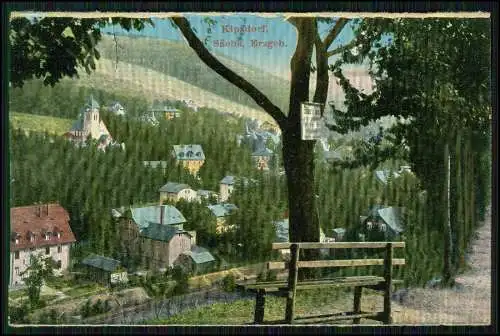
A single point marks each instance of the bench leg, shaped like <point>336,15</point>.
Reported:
<point>290,306</point>
<point>260,301</point>
<point>387,306</point>
<point>357,303</point>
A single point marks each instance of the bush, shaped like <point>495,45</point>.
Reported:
<point>229,283</point>
<point>19,314</point>
<point>181,278</point>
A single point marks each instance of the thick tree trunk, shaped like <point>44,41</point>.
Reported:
<point>298,155</point>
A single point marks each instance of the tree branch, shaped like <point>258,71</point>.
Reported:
<point>322,77</point>
<point>339,25</point>
<point>341,49</point>
<point>207,58</point>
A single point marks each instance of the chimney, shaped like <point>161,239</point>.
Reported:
<point>162,212</point>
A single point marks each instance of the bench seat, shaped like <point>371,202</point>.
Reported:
<point>372,282</point>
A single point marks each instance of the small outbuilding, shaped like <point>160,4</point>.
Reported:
<point>104,270</point>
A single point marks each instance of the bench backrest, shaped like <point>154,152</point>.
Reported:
<point>295,247</point>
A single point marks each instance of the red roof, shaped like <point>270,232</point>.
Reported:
<point>39,219</point>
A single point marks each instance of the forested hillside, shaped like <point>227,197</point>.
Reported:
<point>176,59</point>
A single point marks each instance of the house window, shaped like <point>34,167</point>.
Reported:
<point>59,235</point>
<point>59,249</point>
<point>47,250</point>
<point>32,238</point>
<point>17,240</point>
<point>16,255</point>
<point>17,270</point>
<point>58,264</point>
<point>47,236</point>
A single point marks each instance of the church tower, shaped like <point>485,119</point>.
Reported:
<point>91,118</point>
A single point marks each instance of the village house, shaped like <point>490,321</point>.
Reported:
<point>383,223</point>
<point>261,157</point>
<point>173,191</point>
<point>156,164</point>
<point>339,234</point>
<point>191,104</point>
<point>155,234</point>
<point>197,260</point>
<point>282,235</point>
<point>227,184</point>
<point>89,125</point>
<point>104,270</point>
<point>221,211</point>
<point>165,110</point>
<point>42,230</point>
<point>190,156</point>
<point>117,108</point>
<point>206,195</point>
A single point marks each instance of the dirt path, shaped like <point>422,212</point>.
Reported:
<point>472,305</point>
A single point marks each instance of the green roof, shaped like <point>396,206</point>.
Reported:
<point>144,216</point>
<point>200,255</point>
<point>92,103</point>
<point>161,232</point>
<point>101,262</point>
<point>222,209</point>
<point>174,187</point>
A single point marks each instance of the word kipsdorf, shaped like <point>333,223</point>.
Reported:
<point>244,29</point>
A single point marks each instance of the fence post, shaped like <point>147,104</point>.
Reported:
<point>292,283</point>
<point>387,319</point>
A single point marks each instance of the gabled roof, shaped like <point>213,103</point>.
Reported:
<point>100,262</point>
<point>189,152</point>
<point>144,216</point>
<point>161,232</point>
<point>199,255</point>
<point>203,192</point>
<point>36,219</point>
<point>229,179</point>
<point>393,216</point>
<point>222,209</point>
<point>174,187</point>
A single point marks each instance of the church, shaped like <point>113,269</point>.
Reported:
<point>89,125</point>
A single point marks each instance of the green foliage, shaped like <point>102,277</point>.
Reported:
<point>19,314</point>
<point>54,47</point>
<point>39,270</point>
<point>229,283</point>
<point>181,278</point>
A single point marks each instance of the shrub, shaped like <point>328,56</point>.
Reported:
<point>229,283</point>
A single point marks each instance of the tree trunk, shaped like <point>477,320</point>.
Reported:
<point>448,248</point>
<point>298,155</point>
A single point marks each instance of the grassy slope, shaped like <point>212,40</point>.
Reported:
<point>38,123</point>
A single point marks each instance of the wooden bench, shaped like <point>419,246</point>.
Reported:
<point>288,288</point>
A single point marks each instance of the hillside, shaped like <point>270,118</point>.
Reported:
<point>39,123</point>
<point>177,60</point>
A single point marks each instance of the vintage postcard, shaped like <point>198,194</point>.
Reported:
<point>249,169</point>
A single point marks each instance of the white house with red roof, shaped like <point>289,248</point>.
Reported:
<point>41,229</point>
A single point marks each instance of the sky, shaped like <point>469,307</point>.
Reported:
<point>275,60</point>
